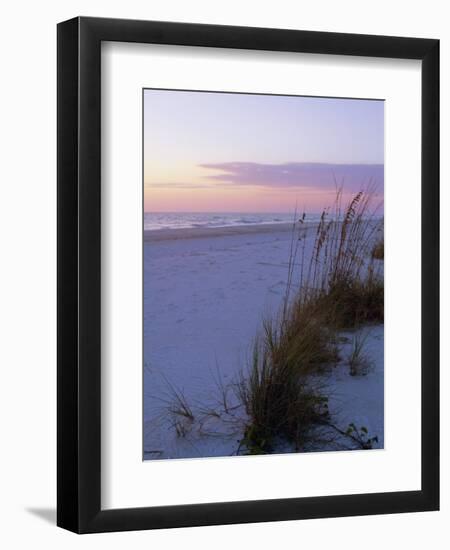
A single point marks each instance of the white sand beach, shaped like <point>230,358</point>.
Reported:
<point>206,291</point>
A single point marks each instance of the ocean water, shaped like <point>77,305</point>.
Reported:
<point>154,221</point>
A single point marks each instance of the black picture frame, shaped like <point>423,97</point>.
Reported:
<point>79,276</point>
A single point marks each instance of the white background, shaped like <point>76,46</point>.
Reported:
<point>127,481</point>
<point>28,270</point>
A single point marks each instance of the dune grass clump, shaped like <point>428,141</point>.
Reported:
<point>352,302</point>
<point>341,277</point>
<point>280,398</point>
<point>177,408</point>
<point>339,287</point>
<point>358,362</point>
<point>378,250</point>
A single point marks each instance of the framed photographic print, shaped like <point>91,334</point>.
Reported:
<point>248,255</point>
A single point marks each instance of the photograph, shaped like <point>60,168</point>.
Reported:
<point>263,283</point>
<point>224,194</point>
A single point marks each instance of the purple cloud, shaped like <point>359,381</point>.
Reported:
<point>297,174</point>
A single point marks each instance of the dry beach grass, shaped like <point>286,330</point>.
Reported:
<point>340,287</point>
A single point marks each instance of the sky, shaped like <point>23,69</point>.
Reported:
<point>224,152</point>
